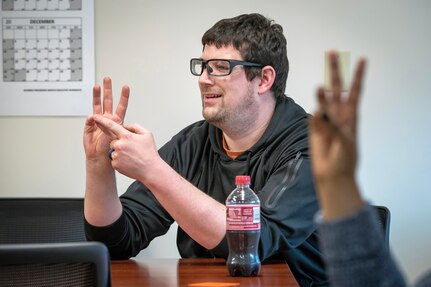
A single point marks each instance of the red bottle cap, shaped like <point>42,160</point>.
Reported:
<point>242,179</point>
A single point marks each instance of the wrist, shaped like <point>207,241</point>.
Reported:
<point>339,197</point>
<point>154,169</point>
<point>334,183</point>
<point>98,164</point>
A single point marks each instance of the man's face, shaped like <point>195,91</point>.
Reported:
<point>227,100</point>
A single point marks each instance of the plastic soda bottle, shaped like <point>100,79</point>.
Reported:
<point>243,229</point>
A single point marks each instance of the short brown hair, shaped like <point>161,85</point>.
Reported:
<point>259,40</point>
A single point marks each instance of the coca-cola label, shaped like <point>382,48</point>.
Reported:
<point>243,217</point>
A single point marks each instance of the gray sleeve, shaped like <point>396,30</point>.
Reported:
<point>424,280</point>
<point>355,253</point>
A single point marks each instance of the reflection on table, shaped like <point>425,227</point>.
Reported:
<point>195,273</point>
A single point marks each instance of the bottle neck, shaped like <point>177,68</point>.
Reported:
<point>243,185</point>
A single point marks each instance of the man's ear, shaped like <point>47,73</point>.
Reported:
<point>267,79</point>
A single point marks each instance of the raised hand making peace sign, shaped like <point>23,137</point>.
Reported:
<point>333,143</point>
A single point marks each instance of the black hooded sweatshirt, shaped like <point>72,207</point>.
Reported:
<point>279,168</point>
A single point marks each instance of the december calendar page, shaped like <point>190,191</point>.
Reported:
<point>48,64</point>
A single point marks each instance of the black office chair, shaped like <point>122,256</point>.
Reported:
<point>41,220</point>
<point>79,264</point>
<point>384,216</point>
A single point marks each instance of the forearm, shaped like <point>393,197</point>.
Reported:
<point>102,205</point>
<point>199,215</point>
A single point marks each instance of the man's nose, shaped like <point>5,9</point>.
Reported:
<point>205,78</point>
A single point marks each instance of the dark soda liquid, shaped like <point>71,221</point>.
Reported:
<point>243,257</point>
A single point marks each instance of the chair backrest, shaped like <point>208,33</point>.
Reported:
<point>78,264</point>
<point>41,220</point>
<point>384,216</point>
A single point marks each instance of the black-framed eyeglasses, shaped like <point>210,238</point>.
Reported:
<point>217,67</point>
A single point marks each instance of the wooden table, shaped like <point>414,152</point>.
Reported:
<point>194,273</point>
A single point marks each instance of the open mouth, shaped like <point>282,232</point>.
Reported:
<point>211,96</point>
<point>211,99</point>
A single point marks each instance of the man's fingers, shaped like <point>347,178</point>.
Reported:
<point>107,95</point>
<point>323,109</point>
<point>124,102</point>
<point>321,135</point>
<point>321,98</point>
<point>336,84</point>
<point>136,129</point>
<point>109,127</point>
<point>97,102</point>
<point>356,88</point>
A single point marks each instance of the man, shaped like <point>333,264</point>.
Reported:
<point>250,128</point>
<point>351,239</point>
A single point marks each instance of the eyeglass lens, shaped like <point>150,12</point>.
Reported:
<point>214,67</point>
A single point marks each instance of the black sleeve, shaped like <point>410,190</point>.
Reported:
<point>142,220</point>
<point>288,205</point>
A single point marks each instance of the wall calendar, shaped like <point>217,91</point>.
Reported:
<point>48,63</point>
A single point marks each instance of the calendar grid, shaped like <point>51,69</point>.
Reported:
<point>42,49</point>
<point>41,5</point>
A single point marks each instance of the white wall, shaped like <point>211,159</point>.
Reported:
<point>148,44</point>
